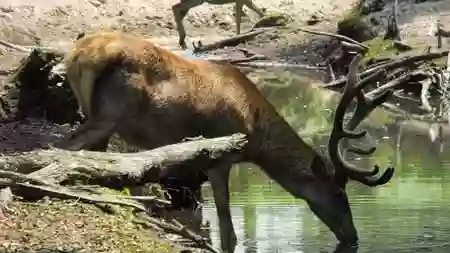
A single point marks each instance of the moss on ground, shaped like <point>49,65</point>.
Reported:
<point>71,226</point>
<point>379,47</point>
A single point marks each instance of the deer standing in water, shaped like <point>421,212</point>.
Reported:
<point>181,9</point>
<point>153,97</point>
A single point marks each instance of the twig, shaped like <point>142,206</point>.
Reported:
<point>391,84</point>
<point>190,234</point>
<point>146,199</point>
<point>63,192</point>
<point>179,229</point>
<point>240,60</point>
<point>337,36</point>
<point>14,46</point>
<point>398,94</point>
<point>232,41</point>
<point>400,112</point>
<point>350,47</point>
<point>278,65</point>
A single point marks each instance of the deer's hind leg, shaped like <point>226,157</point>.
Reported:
<point>92,135</point>
<point>252,6</point>
<point>180,10</point>
<point>112,100</point>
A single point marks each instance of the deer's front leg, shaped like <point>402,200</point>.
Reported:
<point>218,177</point>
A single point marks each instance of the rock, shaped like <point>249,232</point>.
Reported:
<point>273,19</point>
<point>356,28</point>
<point>314,19</point>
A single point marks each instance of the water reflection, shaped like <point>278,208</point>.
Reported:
<point>410,214</point>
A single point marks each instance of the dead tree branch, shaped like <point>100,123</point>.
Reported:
<point>14,46</point>
<point>278,65</point>
<point>240,60</point>
<point>389,65</point>
<point>231,41</point>
<point>339,37</point>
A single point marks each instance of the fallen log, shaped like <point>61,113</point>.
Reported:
<point>116,170</point>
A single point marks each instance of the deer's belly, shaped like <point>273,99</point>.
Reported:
<point>153,131</point>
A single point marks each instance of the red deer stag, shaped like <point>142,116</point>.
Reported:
<point>153,97</point>
<point>181,9</point>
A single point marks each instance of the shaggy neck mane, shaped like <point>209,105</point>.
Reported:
<point>281,153</point>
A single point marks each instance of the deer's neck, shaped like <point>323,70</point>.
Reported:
<point>281,153</point>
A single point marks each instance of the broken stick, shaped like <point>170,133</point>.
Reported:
<point>232,41</point>
<point>339,37</point>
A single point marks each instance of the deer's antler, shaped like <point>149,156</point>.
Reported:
<point>354,89</point>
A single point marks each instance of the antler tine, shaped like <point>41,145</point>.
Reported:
<point>360,151</point>
<point>383,179</point>
<point>352,89</point>
<point>365,106</point>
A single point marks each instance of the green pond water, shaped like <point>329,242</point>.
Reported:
<point>409,214</point>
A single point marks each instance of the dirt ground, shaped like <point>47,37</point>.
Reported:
<point>56,23</point>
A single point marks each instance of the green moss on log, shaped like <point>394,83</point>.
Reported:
<point>378,47</point>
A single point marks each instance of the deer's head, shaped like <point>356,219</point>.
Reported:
<point>364,106</point>
<point>327,197</point>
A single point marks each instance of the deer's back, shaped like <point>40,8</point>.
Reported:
<point>173,97</point>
